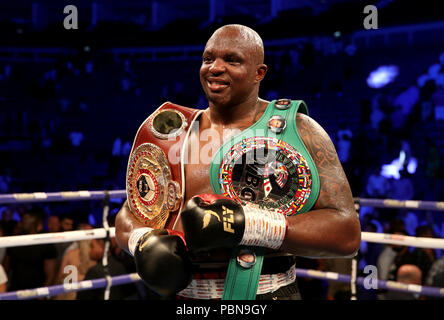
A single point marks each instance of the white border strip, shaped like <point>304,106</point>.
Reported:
<point>55,237</point>
<point>100,233</point>
<point>431,243</point>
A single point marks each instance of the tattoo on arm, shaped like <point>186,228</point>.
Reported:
<point>335,191</point>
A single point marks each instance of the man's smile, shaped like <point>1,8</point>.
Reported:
<point>217,85</point>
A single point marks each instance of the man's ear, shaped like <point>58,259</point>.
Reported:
<point>261,71</point>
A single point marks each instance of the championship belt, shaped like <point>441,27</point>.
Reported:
<point>155,180</point>
<point>266,166</point>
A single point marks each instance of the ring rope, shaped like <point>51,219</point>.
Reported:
<point>353,278</point>
<point>401,204</point>
<point>55,237</point>
<point>134,277</point>
<point>60,196</point>
<point>381,284</point>
<point>101,233</point>
<point>396,239</point>
<point>107,246</point>
<point>69,287</point>
<point>107,232</point>
<point>120,194</point>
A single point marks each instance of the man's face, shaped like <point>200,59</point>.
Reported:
<point>96,250</point>
<point>53,224</point>
<point>276,123</point>
<point>229,71</point>
<point>28,224</point>
<point>67,224</point>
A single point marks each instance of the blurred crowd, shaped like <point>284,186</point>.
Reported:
<point>69,125</point>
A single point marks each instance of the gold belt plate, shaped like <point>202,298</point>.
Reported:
<point>151,191</point>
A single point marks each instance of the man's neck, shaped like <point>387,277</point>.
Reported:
<point>237,116</point>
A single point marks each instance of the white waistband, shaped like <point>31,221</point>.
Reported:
<point>214,288</point>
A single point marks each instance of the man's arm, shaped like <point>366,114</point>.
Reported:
<point>126,222</point>
<point>332,227</point>
<point>153,250</point>
<point>50,267</point>
<point>3,279</point>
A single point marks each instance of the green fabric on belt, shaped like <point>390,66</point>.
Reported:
<point>242,283</point>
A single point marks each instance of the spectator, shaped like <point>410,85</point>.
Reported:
<point>411,221</point>
<point>433,165</point>
<point>53,224</point>
<point>378,186</point>
<point>338,290</point>
<point>76,138</point>
<point>345,136</point>
<point>402,188</point>
<point>3,279</point>
<point>78,257</point>
<point>66,224</point>
<point>115,267</point>
<point>126,149</point>
<point>9,220</point>
<point>423,258</point>
<point>311,288</point>
<point>407,99</point>
<point>435,276</point>
<point>408,274</point>
<point>31,266</point>
<point>117,147</point>
<point>369,251</point>
<point>2,250</point>
<point>5,181</point>
<point>377,115</point>
<point>393,256</point>
<point>119,263</point>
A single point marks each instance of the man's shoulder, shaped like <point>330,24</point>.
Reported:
<point>310,129</point>
<point>303,117</point>
<point>168,105</point>
<point>175,112</point>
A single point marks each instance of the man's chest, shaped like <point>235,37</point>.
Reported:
<point>200,152</point>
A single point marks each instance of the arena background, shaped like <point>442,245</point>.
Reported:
<point>72,100</point>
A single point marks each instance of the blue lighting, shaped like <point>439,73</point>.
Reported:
<point>392,170</point>
<point>382,76</point>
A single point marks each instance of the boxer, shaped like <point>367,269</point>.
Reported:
<point>301,204</point>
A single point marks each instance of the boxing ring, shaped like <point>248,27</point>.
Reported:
<point>107,232</point>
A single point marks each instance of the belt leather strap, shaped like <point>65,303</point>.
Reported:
<point>242,283</point>
<point>172,148</point>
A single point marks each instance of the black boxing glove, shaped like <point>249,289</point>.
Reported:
<point>212,221</point>
<point>161,259</point>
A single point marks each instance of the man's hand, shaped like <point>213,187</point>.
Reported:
<point>213,221</point>
<point>162,261</point>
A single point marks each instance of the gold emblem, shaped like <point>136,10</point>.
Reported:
<point>228,219</point>
<point>151,192</point>
<point>207,218</point>
<point>227,215</point>
<point>143,241</point>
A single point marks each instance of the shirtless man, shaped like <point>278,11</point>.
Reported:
<point>231,72</point>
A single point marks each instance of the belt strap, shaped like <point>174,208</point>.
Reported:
<point>242,283</point>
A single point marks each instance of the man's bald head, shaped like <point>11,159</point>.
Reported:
<point>232,66</point>
<point>249,38</point>
<point>409,273</point>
